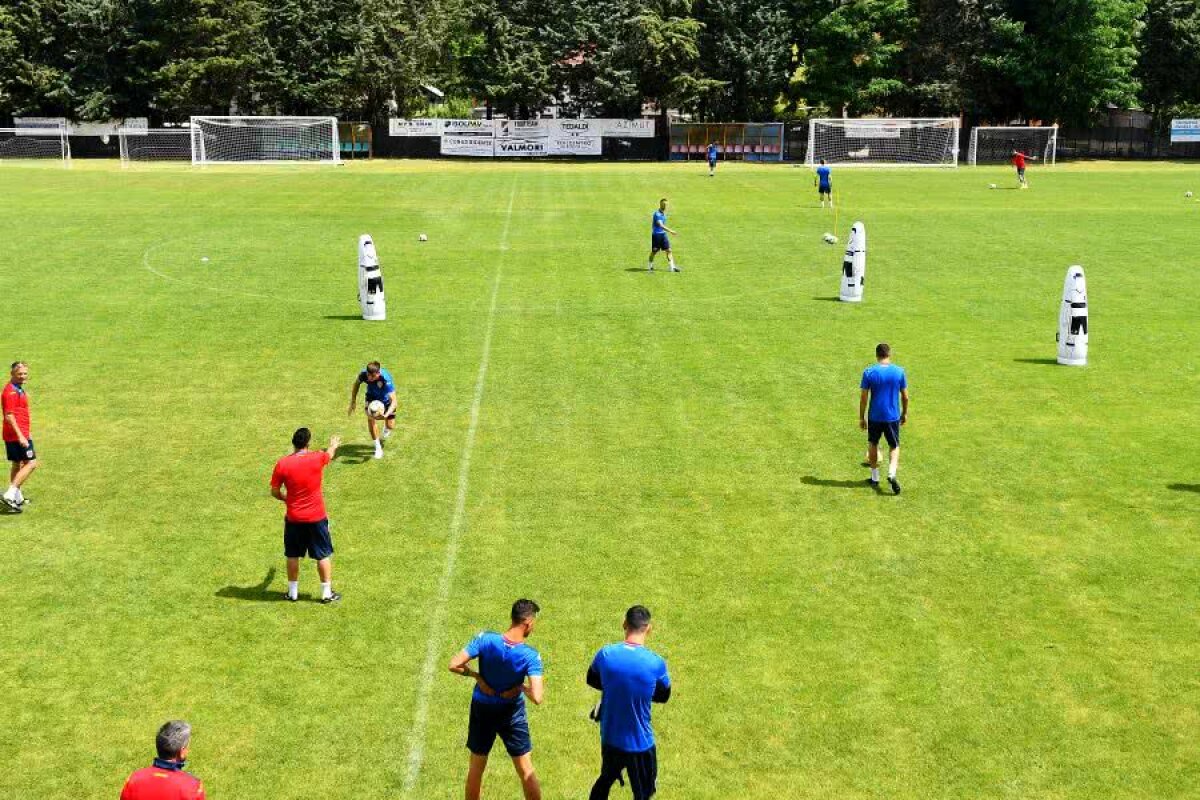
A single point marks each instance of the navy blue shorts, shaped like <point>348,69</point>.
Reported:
<point>307,538</point>
<point>659,241</point>
<point>824,190</point>
<point>888,430</point>
<point>712,162</point>
<point>506,720</point>
<point>16,453</point>
<point>642,769</point>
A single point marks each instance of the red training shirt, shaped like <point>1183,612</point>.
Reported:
<point>159,783</point>
<point>301,474</point>
<point>14,400</point>
<point>1019,160</point>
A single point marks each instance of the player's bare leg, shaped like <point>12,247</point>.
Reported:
<point>325,573</point>
<point>529,779</point>
<point>873,462</point>
<point>389,425</point>
<point>293,578</point>
<point>375,436</point>
<point>475,776</point>
<point>671,261</point>
<point>650,267</point>
<point>893,465</point>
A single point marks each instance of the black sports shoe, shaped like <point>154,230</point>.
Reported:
<point>874,483</point>
<point>333,598</point>
<point>292,599</point>
<point>895,485</point>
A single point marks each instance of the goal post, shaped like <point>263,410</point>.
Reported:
<point>884,142</point>
<point>994,144</point>
<point>264,140</point>
<point>154,144</point>
<point>19,144</point>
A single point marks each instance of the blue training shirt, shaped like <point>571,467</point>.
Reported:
<point>378,389</point>
<point>823,176</point>
<point>884,382</point>
<point>503,664</point>
<point>630,674</point>
<point>660,222</point>
<point>712,152</point>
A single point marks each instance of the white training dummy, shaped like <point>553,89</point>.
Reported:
<point>370,281</point>
<point>854,265</point>
<point>1073,320</point>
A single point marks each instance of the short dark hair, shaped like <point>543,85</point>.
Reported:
<point>301,438</point>
<point>16,364</point>
<point>524,611</point>
<point>663,200</point>
<point>373,367</point>
<point>637,618</point>
<point>822,161</point>
<point>883,350</point>
<point>172,738</point>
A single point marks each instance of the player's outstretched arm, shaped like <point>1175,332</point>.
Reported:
<point>335,441</point>
<point>353,396</point>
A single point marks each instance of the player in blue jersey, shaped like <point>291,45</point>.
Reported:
<point>630,678</point>
<point>506,662</point>
<point>712,159</point>
<point>824,184</point>
<point>658,236</point>
<point>879,414</point>
<point>381,387</point>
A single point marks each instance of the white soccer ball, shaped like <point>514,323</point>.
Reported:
<point>203,259</point>
<point>422,238</point>
<point>375,408</point>
<point>1188,195</point>
<point>991,186</point>
<point>829,238</point>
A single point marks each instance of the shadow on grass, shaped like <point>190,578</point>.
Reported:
<point>636,269</point>
<point>1184,487</point>
<point>834,299</point>
<point>343,316</point>
<point>259,593</point>
<point>1050,361</point>
<point>813,480</point>
<point>356,453</point>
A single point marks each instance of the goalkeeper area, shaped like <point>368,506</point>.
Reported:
<point>23,144</point>
<point>995,144</point>
<point>264,140</point>
<point>1019,624</point>
<point>883,142</point>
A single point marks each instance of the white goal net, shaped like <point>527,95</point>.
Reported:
<point>995,144</point>
<point>899,142</point>
<point>155,144</point>
<point>30,143</point>
<point>264,140</point>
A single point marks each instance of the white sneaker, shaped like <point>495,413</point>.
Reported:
<point>675,269</point>
<point>379,452</point>
<point>387,432</point>
<point>650,268</point>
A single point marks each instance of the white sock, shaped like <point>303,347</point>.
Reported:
<point>650,265</point>
<point>378,445</point>
<point>326,590</point>
<point>10,493</point>
<point>891,474</point>
<point>20,497</point>
<point>293,589</point>
<point>671,261</point>
<point>875,474</point>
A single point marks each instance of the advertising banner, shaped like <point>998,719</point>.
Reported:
<point>627,128</point>
<point>576,137</point>
<point>468,137</point>
<point>875,129</point>
<point>1185,130</point>
<point>414,127</point>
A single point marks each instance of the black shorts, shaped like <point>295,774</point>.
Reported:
<point>16,453</point>
<point>659,241</point>
<point>1020,172</point>
<point>506,720</point>
<point>825,190</point>
<point>888,430</point>
<point>307,538</point>
<point>642,769</point>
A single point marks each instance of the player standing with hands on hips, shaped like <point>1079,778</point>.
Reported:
<point>882,384</point>
<point>630,678</point>
<point>658,236</point>
<point>18,444</point>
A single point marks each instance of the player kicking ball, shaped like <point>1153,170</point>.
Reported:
<point>659,239</point>
<point>1018,161</point>
<point>381,402</point>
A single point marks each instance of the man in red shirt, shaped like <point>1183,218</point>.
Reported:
<point>166,780</point>
<point>18,444</point>
<point>1018,161</point>
<point>305,525</point>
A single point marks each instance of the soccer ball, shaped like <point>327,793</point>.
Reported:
<point>991,186</point>
<point>829,238</point>
<point>1188,195</point>
<point>422,238</point>
<point>376,409</point>
<point>204,259</point>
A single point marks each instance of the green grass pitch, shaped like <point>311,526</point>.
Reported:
<point>1022,622</point>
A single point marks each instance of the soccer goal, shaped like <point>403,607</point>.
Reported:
<point>884,142</point>
<point>155,144</point>
<point>995,144</point>
<point>265,140</point>
<point>35,143</point>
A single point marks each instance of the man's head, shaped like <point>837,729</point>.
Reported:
<point>637,620</point>
<point>662,204</point>
<point>524,614</point>
<point>883,351</point>
<point>173,740</point>
<point>373,370</point>
<point>822,162</point>
<point>301,438</point>
<point>19,372</point>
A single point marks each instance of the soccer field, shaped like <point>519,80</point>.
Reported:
<point>1021,622</point>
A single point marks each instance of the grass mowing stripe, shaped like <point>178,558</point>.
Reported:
<point>416,752</point>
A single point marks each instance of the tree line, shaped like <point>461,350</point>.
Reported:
<point>745,60</point>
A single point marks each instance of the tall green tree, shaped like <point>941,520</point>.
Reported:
<point>1169,66</point>
<point>746,45</point>
<point>856,57</point>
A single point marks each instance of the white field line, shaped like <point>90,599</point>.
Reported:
<point>433,652</point>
